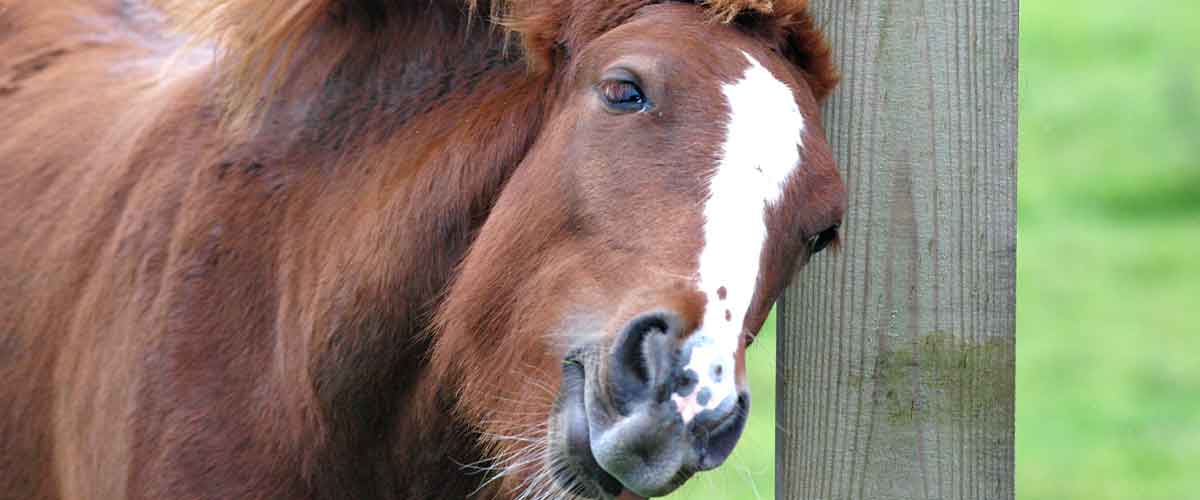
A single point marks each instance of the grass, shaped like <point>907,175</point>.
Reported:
<point>1108,266</point>
<point>1108,270</point>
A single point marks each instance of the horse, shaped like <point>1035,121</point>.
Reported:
<point>396,249</point>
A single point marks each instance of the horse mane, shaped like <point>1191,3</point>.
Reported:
<point>262,42</point>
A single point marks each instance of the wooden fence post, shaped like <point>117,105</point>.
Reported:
<point>896,354</point>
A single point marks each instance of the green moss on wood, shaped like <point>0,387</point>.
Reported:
<point>943,377</point>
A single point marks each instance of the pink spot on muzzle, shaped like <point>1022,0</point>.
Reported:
<point>687,405</point>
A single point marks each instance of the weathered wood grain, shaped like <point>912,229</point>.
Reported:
<point>896,354</point>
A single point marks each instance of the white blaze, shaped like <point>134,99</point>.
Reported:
<point>760,153</point>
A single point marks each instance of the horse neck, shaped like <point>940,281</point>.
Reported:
<point>394,194</point>
<point>410,134</point>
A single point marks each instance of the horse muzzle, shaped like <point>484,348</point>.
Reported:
<point>622,417</point>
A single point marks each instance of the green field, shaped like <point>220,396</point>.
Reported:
<point>1108,267</point>
<point>1108,256</point>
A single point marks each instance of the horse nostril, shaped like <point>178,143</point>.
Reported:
<point>641,362</point>
<point>719,432</point>
<point>633,357</point>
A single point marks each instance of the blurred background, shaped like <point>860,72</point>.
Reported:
<point>1108,263</point>
<point>1108,251</point>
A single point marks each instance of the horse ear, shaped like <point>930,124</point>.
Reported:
<point>804,44</point>
<point>807,48</point>
<point>727,10</point>
<point>539,25</point>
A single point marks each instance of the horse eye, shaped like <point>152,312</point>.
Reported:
<point>622,95</point>
<point>822,239</point>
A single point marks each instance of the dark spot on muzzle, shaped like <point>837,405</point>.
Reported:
<point>685,382</point>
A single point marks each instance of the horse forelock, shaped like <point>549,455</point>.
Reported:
<point>546,27</point>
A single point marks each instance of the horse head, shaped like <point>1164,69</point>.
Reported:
<point>598,325</point>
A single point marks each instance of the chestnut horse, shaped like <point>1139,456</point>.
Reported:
<point>410,249</point>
